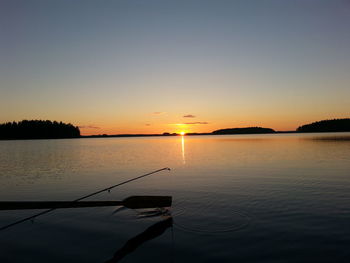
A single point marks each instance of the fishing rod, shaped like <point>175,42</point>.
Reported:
<point>83,197</point>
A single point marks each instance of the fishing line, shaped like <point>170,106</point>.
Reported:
<point>81,198</point>
<point>172,245</point>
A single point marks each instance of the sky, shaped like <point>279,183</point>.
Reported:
<point>148,66</point>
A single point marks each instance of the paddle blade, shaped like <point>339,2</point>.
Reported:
<point>138,202</point>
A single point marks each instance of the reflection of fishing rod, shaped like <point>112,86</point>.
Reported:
<point>84,197</point>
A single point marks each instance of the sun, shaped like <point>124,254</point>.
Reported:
<point>182,133</point>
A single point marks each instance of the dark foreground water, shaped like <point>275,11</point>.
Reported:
<point>249,198</point>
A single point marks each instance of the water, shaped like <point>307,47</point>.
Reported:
<point>246,198</point>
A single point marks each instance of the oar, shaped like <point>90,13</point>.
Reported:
<point>133,202</point>
<point>81,198</point>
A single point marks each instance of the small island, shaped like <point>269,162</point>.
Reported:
<point>335,125</point>
<point>37,129</point>
<point>247,130</point>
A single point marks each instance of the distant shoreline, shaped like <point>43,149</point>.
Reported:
<point>41,130</point>
<point>192,134</point>
<point>162,135</point>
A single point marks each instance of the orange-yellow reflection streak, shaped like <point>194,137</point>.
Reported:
<point>183,148</point>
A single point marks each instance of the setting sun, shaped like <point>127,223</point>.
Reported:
<point>182,133</point>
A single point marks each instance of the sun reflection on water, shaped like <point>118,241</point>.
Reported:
<point>183,149</point>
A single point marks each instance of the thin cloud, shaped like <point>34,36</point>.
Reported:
<point>196,122</point>
<point>147,124</point>
<point>158,112</point>
<point>88,127</point>
<point>189,116</point>
<point>189,123</point>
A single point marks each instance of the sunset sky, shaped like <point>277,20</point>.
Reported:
<point>169,66</point>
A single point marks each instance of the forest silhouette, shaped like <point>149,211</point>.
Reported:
<point>38,129</point>
<point>335,125</point>
<point>247,130</point>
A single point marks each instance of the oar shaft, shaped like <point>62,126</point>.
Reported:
<point>133,202</point>
<point>14,205</point>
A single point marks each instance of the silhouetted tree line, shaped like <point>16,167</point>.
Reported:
<point>248,130</point>
<point>38,129</point>
<point>335,125</point>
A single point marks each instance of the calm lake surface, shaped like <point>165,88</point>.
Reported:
<point>236,198</point>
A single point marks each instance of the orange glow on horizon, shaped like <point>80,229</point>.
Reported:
<point>159,129</point>
<point>171,124</point>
